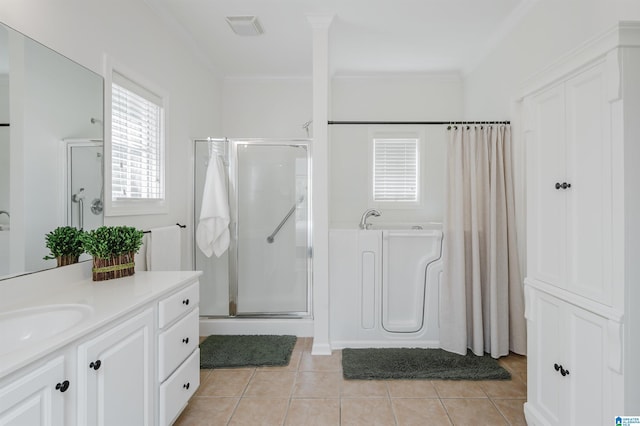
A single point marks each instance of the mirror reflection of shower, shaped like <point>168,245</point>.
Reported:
<point>78,197</point>
<point>84,174</point>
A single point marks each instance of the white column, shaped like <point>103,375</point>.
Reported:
<point>320,190</point>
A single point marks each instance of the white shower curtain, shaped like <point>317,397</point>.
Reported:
<point>482,300</point>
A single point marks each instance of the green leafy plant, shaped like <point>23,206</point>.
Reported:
<point>110,241</point>
<point>64,241</point>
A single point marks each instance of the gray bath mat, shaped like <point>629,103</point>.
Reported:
<point>433,364</point>
<point>221,351</point>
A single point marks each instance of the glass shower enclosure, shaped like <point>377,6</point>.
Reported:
<point>266,272</point>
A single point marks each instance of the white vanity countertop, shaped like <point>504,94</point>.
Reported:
<point>108,301</point>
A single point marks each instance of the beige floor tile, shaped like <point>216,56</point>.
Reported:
<point>294,362</point>
<point>419,412</point>
<point>366,412</point>
<point>303,344</point>
<point>204,374</point>
<point>226,382</point>
<point>312,384</point>
<point>514,363</point>
<point>512,410</point>
<point>458,389</point>
<point>331,362</point>
<point>411,389</point>
<point>260,412</point>
<point>272,384</point>
<point>206,411</point>
<point>313,412</point>
<point>513,388</point>
<point>364,389</point>
<point>473,412</point>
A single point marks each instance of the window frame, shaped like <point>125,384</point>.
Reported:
<point>395,132</point>
<point>130,206</point>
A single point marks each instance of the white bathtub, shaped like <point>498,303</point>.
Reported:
<point>384,286</point>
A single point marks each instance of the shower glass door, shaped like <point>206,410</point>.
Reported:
<point>271,252</point>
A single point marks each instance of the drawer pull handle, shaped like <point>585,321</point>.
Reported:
<point>185,340</point>
<point>95,365</point>
<point>62,387</point>
<point>186,386</point>
<point>185,302</point>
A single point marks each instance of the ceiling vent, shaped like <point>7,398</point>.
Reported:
<point>245,25</point>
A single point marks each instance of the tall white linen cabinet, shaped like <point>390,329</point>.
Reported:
<point>581,123</point>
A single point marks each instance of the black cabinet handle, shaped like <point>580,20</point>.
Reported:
<point>563,185</point>
<point>561,369</point>
<point>62,387</point>
<point>185,302</point>
<point>558,185</point>
<point>185,340</point>
<point>186,386</point>
<point>95,364</point>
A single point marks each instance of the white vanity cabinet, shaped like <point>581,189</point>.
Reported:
<point>178,353</point>
<point>38,397</point>
<point>115,379</point>
<point>583,207</point>
<point>133,360</point>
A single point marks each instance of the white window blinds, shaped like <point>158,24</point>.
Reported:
<point>395,170</point>
<point>136,141</point>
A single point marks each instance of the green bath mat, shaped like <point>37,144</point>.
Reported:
<point>431,364</point>
<point>222,351</point>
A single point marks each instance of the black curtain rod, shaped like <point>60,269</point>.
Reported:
<point>177,224</point>
<point>330,122</point>
<point>4,124</point>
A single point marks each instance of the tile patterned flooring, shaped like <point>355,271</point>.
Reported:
<point>312,391</point>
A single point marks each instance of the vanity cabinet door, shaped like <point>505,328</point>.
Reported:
<point>115,375</point>
<point>36,398</point>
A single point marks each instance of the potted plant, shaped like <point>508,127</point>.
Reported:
<point>113,249</point>
<point>65,245</point>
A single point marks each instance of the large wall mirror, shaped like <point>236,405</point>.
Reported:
<point>51,156</point>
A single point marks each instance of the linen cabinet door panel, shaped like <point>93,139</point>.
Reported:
<point>588,150</point>
<point>546,204</point>
<point>550,390</point>
<point>587,368</point>
<point>115,372</point>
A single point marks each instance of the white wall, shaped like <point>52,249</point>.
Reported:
<point>388,98</point>
<point>550,29</point>
<point>135,37</point>
<point>266,107</point>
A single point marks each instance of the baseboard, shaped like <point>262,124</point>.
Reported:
<point>296,327</point>
<point>423,344</point>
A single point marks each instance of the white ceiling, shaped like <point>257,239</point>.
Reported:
<point>366,36</point>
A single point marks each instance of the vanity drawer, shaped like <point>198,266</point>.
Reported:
<point>176,391</point>
<point>177,304</point>
<point>176,343</point>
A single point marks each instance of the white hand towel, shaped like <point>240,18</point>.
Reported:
<point>212,234</point>
<point>164,248</point>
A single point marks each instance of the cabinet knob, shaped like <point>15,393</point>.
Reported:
<point>564,372</point>
<point>563,185</point>
<point>95,364</point>
<point>186,386</point>
<point>185,302</point>
<point>185,340</point>
<point>62,387</point>
<point>556,367</point>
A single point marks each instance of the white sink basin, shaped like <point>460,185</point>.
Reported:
<point>24,327</point>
